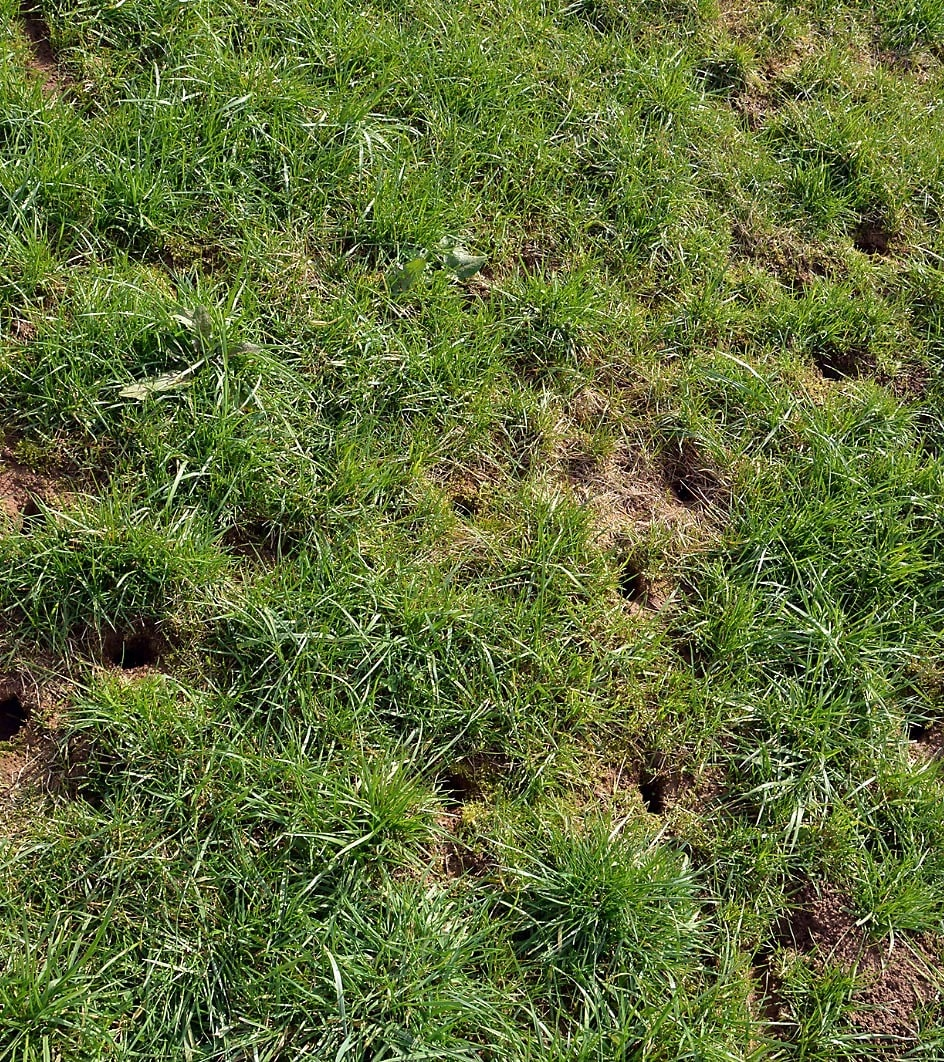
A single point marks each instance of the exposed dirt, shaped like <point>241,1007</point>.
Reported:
<point>691,477</point>
<point>794,262</point>
<point>43,60</point>
<point>260,539</point>
<point>22,331</point>
<point>661,783</point>
<point>451,856</point>
<point>927,741</point>
<point>654,779</point>
<point>455,854</point>
<point>895,982</point>
<point>626,493</point>
<point>843,363</point>
<point>29,756</point>
<point>540,254</point>
<point>22,489</point>
<point>872,237</point>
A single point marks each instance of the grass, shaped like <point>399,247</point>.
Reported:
<point>473,487</point>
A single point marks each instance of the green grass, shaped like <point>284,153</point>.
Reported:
<point>515,435</point>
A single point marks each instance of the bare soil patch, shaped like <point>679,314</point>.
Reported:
<point>455,853</point>
<point>927,740</point>
<point>43,60</point>
<point>843,363</point>
<point>661,783</point>
<point>872,237</point>
<point>261,539</point>
<point>627,494</point>
<point>895,981</point>
<point>691,477</point>
<point>29,754</point>
<point>22,490</point>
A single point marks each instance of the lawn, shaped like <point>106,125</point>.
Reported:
<point>472,548</point>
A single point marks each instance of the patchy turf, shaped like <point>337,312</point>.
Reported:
<point>472,501</point>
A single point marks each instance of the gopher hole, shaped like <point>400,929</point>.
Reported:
<point>13,717</point>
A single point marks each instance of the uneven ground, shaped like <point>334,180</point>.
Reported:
<point>410,656</point>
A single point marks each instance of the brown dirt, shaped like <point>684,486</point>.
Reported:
<point>872,237</point>
<point>654,779</point>
<point>30,759</point>
<point>22,331</point>
<point>692,478</point>
<point>42,61</point>
<point>895,982</point>
<point>451,856</point>
<point>927,742</point>
<point>21,489</point>
<point>794,262</point>
<point>835,363</point>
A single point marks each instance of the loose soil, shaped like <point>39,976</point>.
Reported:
<point>894,983</point>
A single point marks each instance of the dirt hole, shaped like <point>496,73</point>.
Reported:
<point>465,505</point>
<point>660,783</point>
<point>690,479</point>
<point>917,731</point>
<point>872,237</point>
<point>652,789</point>
<point>634,586</point>
<point>13,717</point>
<point>37,33</point>
<point>129,651</point>
<point>836,364</point>
<point>458,787</point>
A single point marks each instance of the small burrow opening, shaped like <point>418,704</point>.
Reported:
<point>13,716</point>
<point>29,515</point>
<point>633,584</point>
<point>36,30</point>
<point>262,539</point>
<point>685,491</point>
<point>835,363</point>
<point>917,731</point>
<point>465,505</point>
<point>660,783</point>
<point>129,651</point>
<point>653,790</point>
<point>872,237</point>
<point>458,787</point>
<point>690,479</point>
